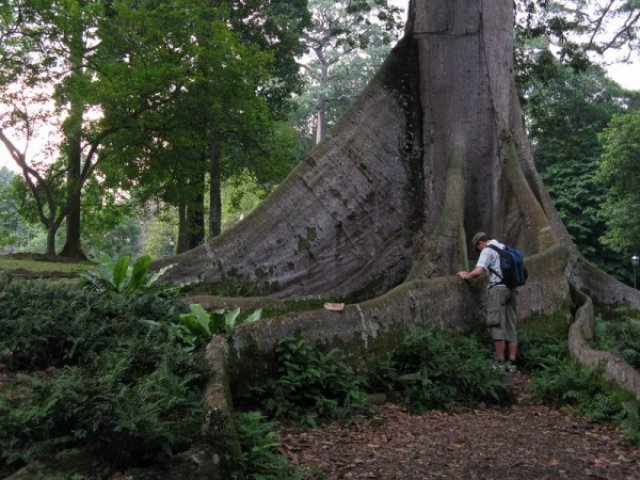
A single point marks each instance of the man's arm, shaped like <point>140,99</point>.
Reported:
<point>476,272</point>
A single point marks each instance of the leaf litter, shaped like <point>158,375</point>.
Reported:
<point>526,441</point>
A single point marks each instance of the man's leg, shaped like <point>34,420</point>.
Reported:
<point>500,349</point>
<point>513,351</point>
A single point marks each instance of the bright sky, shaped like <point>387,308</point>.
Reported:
<point>627,75</point>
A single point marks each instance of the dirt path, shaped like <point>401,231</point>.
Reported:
<point>523,442</point>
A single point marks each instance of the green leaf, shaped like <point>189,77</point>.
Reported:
<point>139,274</point>
<point>253,317</point>
<point>120,272</point>
<point>230,319</point>
<point>201,317</point>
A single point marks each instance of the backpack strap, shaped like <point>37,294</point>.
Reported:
<point>501,277</point>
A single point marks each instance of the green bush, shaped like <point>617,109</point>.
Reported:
<point>50,326</point>
<point>117,381</point>
<point>560,381</point>
<point>436,370</point>
<point>537,351</point>
<point>311,386</point>
<point>619,335</point>
<point>431,369</point>
<point>198,326</point>
<point>259,443</point>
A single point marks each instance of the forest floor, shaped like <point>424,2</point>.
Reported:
<point>526,441</point>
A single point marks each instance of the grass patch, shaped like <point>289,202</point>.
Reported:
<point>36,266</point>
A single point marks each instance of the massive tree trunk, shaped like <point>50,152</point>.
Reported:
<point>433,150</point>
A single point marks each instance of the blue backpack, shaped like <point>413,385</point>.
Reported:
<point>514,273</point>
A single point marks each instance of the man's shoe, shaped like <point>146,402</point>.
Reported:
<point>499,366</point>
<point>510,367</point>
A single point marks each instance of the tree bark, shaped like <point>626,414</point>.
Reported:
<point>432,151</point>
<point>72,247</point>
<point>191,215</point>
<point>215,191</point>
<point>73,149</point>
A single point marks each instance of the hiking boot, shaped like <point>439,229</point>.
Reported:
<point>499,366</point>
<point>510,367</point>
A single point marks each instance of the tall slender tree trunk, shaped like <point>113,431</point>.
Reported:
<point>73,136</point>
<point>182,244</point>
<point>321,103</point>
<point>191,215</point>
<point>52,229</point>
<point>321,111</point>
<point>72,247</point>
<point>215,191</point>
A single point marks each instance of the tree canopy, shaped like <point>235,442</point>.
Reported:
<point>167,80</point>
<point>619,170</point>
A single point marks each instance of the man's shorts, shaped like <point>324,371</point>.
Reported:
<point>501,314</point>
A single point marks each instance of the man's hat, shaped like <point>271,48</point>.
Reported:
<point>476,238</point>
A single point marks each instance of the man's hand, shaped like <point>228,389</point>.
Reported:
<point>476,272</point>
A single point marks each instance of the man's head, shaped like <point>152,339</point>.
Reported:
<point>479,240</point>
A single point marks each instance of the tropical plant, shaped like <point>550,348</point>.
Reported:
<point>560,381</point>
<point>311,386</point>
<point>129,394</point>
<point>259,443</point>
<point>119,276</point>
<point>435,370</point>
<point>203,325</point>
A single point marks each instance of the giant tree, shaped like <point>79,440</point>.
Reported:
<point>380,212</point>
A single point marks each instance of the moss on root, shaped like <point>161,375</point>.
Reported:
<point>556,325</point>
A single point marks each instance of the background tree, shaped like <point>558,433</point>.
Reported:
<point>583,29</point>
<point>346,43</point>
<point>557,45</point>
<point>223,115</point>
<point>619,170</point>
<point>565,112</point>
<point>53,53</point>
<point>9,219</point>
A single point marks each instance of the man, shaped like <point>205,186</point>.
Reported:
<point>501,302</point>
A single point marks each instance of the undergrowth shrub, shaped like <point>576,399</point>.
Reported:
<point>535,351</point>
<point>311,386</point>
<point>619,335</point>
<point>260,458</point>
<point>107,374</point>
<point>199,325</point>
<point>559,380</point>
<point>433,369</point>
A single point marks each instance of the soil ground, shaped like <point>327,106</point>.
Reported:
<point>524,442</point>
